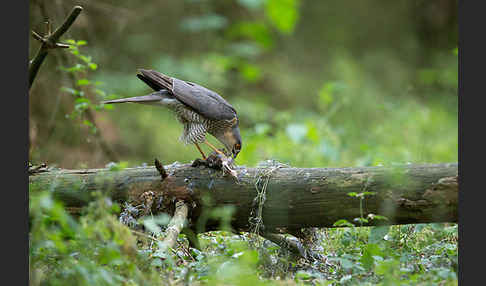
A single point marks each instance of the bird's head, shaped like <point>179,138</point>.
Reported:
<point>232,140</point>
<point>235,141</point>
<point>236,147</point>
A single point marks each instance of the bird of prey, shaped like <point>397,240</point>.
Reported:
<point>199,109</point>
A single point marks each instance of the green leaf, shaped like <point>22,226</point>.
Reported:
<point>74,50</point>
<point>257,32</point>
<point>325,94</point>
<point>377,233</point>
<point>108,106</point>
<point>370,250</point>
<point>250,72</point>
<point>376,217</point>
<point>361,220</point>
<point>343,222</point>
<point>76,68</point>
<point>70,90</point>
<point>302,275</point>
<point>283,14</point>
<point>312,132</point>
<point>82,100</point>
<point>86,59</point>
<point>100,92</point>
<point>93,66</point>
<point>83,81</point>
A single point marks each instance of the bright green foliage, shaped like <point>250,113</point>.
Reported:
<point>86,92</point>
<point>95,249</point>
<point>315,84</point>
<point>283,14</point>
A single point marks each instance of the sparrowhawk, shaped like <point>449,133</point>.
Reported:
<point>199,109</point>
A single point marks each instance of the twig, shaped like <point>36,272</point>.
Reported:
<point>67,23</point>
<point>50,42</point>
<point>143,234</point>
<point>37,169</point>
<point>175,226</point>
<point>292,244</point>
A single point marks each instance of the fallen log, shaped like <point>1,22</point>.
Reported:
<point>277,197</point>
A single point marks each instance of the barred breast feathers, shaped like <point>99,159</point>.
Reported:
<point>196,126</point>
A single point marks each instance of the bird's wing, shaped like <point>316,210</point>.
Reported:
<point>200,99</point>
<point>203,101</point>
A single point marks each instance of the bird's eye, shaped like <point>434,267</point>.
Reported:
<point>237,146</point>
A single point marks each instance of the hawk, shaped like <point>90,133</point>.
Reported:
<point>199,109</point>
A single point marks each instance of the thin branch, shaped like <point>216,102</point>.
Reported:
<point>143,234</point>
<point>293,245</point>
<point>175,225</point>
<point>67,24</point>
<point>50,42</point>
<point>38,37</point>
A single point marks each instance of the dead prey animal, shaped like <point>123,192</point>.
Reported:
<point>217,161</point>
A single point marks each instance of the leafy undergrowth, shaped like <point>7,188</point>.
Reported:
<point>95,248</point>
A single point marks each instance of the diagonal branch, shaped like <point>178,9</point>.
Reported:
<point>175,226</point>
<point>293,245</point>
<point>50,42</point>
<point>67,24</point>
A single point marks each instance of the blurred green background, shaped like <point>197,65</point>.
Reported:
<point>315,83</point>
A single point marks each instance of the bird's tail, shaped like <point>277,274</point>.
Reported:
<point>156,80</point>
<point>151,98</point>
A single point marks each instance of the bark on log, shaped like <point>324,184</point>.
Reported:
<point>294,198</point>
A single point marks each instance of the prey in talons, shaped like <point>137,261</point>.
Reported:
<point>217,160</point>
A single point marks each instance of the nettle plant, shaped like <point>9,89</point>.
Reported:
<point>362,220</point>
<point>86,92</point>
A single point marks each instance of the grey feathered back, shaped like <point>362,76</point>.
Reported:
<point>200,99</point>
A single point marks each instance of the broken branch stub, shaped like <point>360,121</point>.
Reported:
<point>49,42</point>
<point>160,168</point>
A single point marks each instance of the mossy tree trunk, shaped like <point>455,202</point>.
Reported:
<point>287,198</point>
